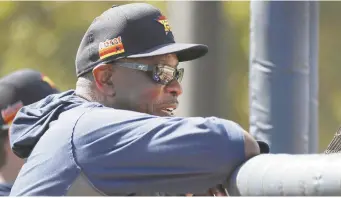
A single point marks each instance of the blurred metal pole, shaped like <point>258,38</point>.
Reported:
<point>279,74</point>
<point>205,82</point>
<point>314,79</point>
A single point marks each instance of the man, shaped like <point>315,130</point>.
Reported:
<point>116,133</point>
<point>17,89</point>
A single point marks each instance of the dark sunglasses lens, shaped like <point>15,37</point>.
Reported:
<point>180,74</point>
<point>165,75</point>
<point>162,75</point>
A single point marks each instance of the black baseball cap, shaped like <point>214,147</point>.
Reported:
<point>133,30</point>
<point>21,88</point>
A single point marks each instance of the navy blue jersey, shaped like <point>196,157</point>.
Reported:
<point>77,147</point>
<point>5,189</point>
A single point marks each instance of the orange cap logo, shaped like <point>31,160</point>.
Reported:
<point>163,20</point>
<point>48,81</point>
<point>9,113</point>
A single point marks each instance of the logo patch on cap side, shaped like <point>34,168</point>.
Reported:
<point>9,113</point>
<point>110,47</point>
<point>163,20</point>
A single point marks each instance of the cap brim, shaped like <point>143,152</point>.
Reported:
<point>263,146</point>
<point>184,51</point>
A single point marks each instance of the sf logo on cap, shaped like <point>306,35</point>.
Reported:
<point>163,20</point>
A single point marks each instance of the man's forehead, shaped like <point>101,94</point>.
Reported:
<point>168,59</point>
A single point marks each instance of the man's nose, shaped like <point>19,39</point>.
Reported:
<point>174,87</point>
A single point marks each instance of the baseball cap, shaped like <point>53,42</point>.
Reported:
<point>21,88</point>
<point>132,30</point>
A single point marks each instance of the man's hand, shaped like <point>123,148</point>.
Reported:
<point>251,148</point>
<point>218,191</point>
<point>250,145</point>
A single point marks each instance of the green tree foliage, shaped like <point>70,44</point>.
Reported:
<point>329,72</point>
<point>45,36</point>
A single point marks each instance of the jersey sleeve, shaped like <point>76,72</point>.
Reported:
<point>128,152</point>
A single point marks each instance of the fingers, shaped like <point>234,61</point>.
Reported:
<point>218,191</point>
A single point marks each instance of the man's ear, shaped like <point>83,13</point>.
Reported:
<point>102,75</point>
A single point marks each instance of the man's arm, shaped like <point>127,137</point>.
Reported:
<point>123,151</point>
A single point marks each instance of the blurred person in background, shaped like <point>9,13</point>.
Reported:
<point>17,89</point>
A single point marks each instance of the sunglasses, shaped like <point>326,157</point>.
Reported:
<point>161,74</point>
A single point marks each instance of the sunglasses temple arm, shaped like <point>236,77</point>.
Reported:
<point>137,66</point>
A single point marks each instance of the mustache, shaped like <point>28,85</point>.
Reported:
<point>163,103</point>
<point>167,102</point>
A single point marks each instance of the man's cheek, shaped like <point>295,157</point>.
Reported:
<point>148,98</point>
<point>151,95</point>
